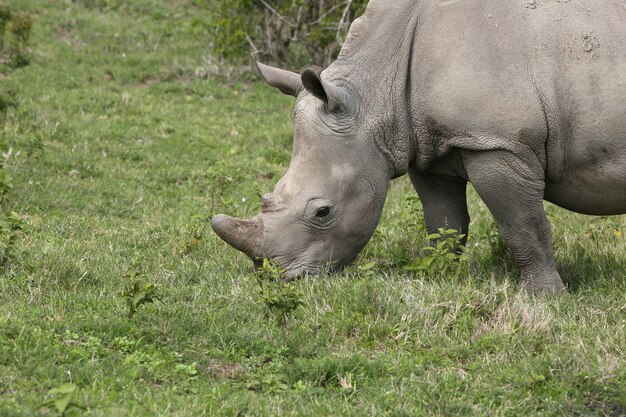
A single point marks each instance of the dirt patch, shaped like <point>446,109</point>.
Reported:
<point>606,408</point>
<point>218,369</point>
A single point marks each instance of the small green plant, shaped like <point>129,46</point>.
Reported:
<point>139,292</point>
<point>367,269</point>
<point>221,177</point>
<point>410,219</point>
<point>198,228</point>
<point>412,214</point>
<point>270,378</point>
<point>6,184</point>
<point>11,223</point>
<point>280,298</point>
<point>61,399</point>
<point>444,256</point>
<point>188,369</point>
<point>20,26</point>
<point>498,248</point>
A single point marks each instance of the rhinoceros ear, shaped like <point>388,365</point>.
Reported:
<point>335,97</point>
<point>287,82</point>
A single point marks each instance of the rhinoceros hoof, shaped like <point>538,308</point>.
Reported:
<point>536,284</point>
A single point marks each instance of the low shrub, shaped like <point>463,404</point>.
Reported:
<point>15,30</point>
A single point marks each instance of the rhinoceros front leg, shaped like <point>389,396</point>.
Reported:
<point>512,189</point>
<point>444,201</point>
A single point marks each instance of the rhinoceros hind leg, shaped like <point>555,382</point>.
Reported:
<point>512,188</point>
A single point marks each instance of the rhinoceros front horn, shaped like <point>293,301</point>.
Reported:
<point>243,235</point>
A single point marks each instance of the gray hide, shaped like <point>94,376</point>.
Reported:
<point>525,101</point>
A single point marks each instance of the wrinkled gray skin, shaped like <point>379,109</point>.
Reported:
<point>528,103</point>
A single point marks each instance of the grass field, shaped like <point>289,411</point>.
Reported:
<point>123,144</point>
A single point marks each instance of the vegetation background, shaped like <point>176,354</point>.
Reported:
<point>122,132</point>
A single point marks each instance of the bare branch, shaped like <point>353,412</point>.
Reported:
<point>342,22</point>
<point>274,12</point>
<point>254,48</point>
<point>327,12</point>
<point>296,29</point>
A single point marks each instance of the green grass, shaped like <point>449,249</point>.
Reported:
<point>121,150</point>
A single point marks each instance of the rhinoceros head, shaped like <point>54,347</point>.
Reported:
<point>327,205</point>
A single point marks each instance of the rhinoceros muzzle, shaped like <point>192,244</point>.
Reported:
<point>243,235</point>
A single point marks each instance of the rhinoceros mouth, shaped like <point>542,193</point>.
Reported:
<point>294,271</point>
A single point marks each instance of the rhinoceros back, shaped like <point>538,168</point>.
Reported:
<point>543,77</point>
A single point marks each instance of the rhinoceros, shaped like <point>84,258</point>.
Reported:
<point>525,99</point>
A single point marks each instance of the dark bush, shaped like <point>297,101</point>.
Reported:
<point>5,18</point>
<point>15,31</point>
<point>282,32</point>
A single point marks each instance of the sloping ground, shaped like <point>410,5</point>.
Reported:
<point>122,148</point>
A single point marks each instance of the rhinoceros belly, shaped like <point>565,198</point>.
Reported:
<point>593,180</point>
<point>586,149</point>
<point>589,196</point>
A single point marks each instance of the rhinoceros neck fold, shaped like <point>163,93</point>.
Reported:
<point>377,57</point>
<point>377,36</point>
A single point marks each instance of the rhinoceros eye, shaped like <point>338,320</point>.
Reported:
<point>322,212</point>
